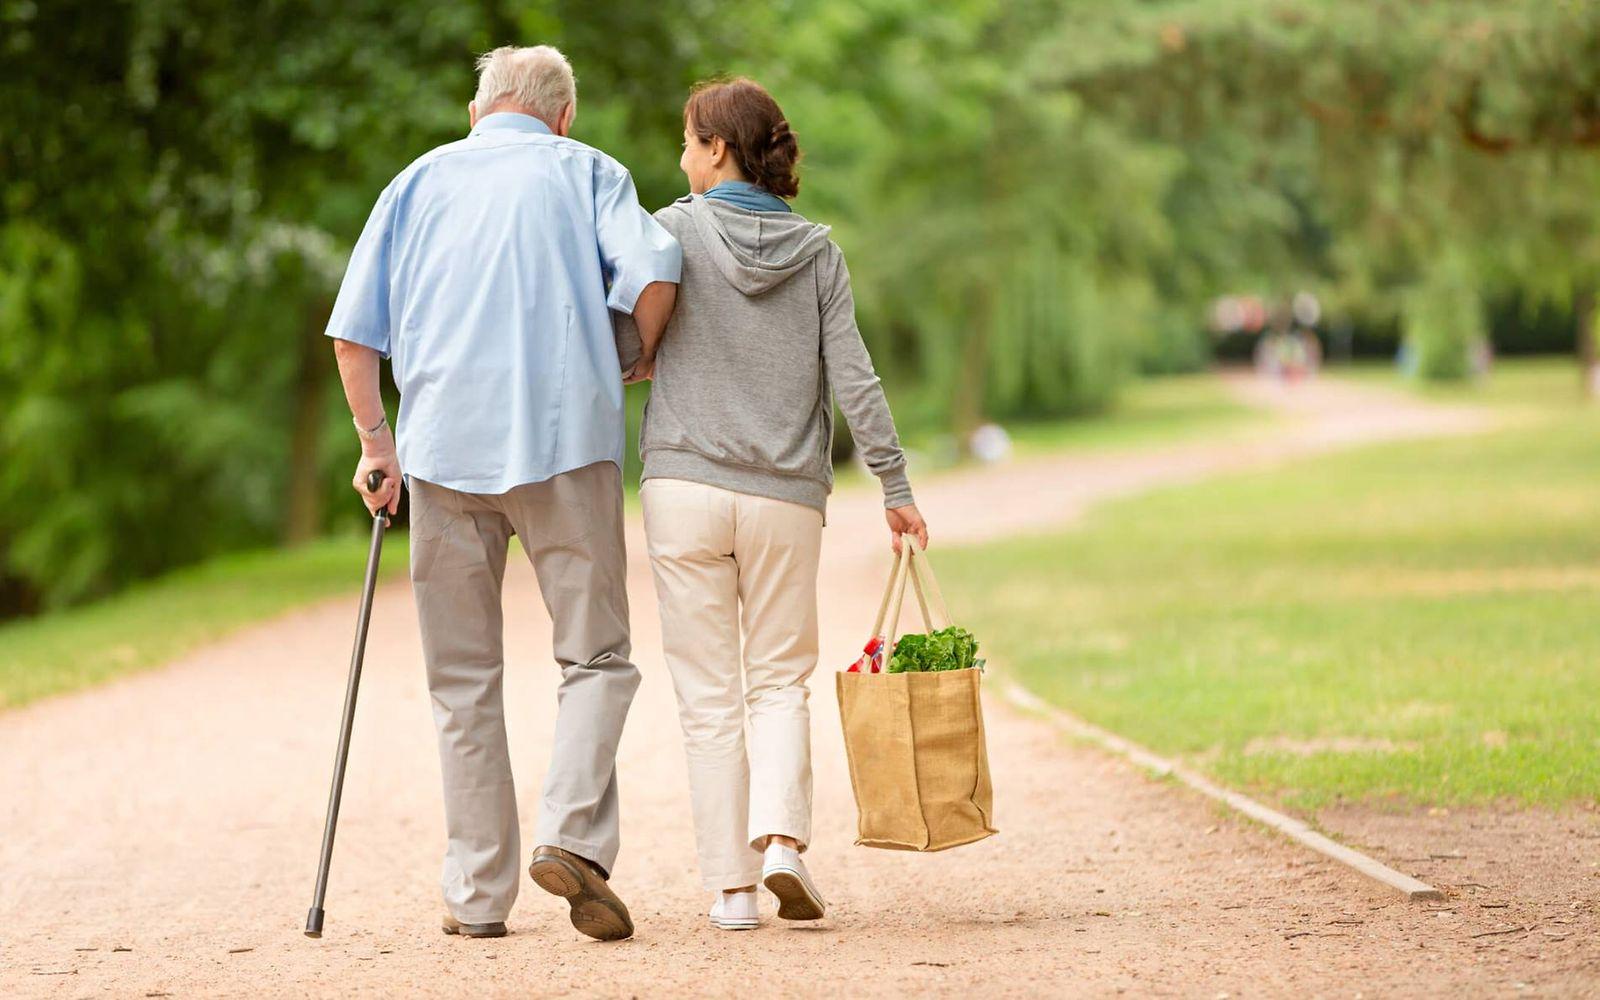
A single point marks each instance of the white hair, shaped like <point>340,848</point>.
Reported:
<point>538,79</point>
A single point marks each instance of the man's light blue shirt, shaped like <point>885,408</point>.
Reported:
<point>486,272</point>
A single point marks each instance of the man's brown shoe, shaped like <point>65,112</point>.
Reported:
<point>453,926</point>
<point>596,910</point>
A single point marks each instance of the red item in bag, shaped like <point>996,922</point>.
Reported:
<point>871,661</point>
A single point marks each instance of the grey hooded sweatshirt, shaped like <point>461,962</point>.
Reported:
<point>762,341</point>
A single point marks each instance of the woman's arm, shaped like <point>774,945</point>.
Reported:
<point>650,315</point>
<point>639,336</point>
<point>860,395</point>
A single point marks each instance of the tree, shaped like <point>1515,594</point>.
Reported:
<point>1466,131</point>
<point>1035,197</point>
<point>181,182</point>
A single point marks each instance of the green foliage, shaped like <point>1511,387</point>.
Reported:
<point>1444,323</point>
<point>997,257</point>
<point>1349,147</point>
<point>1036,198</point>
<point>178,181</point>
<point>950,648</point>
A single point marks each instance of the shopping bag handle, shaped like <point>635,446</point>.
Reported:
<point>923,579</point>
<point>893,594</point>
<point>912,563</point>
<point>888,592</point>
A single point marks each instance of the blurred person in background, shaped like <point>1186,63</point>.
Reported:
<point>737,472</point>
<point>486,272</point>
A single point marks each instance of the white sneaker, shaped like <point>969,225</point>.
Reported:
<point>736,911</point>
<point>785,876</point>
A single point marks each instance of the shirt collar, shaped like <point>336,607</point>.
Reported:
<point>512,120</point>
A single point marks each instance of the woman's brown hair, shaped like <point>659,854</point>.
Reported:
<point>742,114</point>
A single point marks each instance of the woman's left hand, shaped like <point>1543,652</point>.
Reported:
<point>907,520</point>
<point>643,369</point>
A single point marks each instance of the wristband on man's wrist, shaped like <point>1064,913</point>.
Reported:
<point>372,433</point>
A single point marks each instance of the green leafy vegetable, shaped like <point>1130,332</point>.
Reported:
<point>952,648</point>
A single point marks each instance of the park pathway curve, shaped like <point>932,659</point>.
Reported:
<point>160,832</point>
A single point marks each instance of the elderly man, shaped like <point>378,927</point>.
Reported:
<point>486,271</point>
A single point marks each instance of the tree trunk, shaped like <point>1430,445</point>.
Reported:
<point>1583,304</point>
<point>303,506</point>
<point>971,378</point>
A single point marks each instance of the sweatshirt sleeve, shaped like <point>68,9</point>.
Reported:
<point>857,388</point>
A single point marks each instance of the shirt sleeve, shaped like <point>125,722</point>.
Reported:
<point>857,389</point>
<point>361,312</point>
<point>634,249</point>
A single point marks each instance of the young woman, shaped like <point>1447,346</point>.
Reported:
<point>737,471</point>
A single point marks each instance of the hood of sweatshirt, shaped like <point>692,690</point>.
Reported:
<point>755,251</point>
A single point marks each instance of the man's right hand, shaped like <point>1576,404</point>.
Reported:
<point>379,455</point>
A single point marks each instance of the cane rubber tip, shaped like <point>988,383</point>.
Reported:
<point>314,923</point>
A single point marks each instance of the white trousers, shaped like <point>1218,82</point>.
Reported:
<point>728,564</point>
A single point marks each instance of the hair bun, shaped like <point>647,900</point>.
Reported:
<point>744,115</point>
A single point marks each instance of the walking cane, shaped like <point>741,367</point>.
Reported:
<point>380,520</point>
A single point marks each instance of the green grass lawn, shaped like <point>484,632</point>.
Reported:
<point>1409,623</point>
<point>1147,411</point>
<point>153,622</point>
<point>1547,385</point>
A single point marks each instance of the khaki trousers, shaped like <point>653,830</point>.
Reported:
<point>571,529</point>
<point>728,563</point>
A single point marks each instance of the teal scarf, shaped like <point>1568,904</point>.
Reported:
<point>749,196</point>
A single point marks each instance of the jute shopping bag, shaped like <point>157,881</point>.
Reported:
<point>918,762</point>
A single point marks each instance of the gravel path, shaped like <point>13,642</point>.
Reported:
<point>160,832</point>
